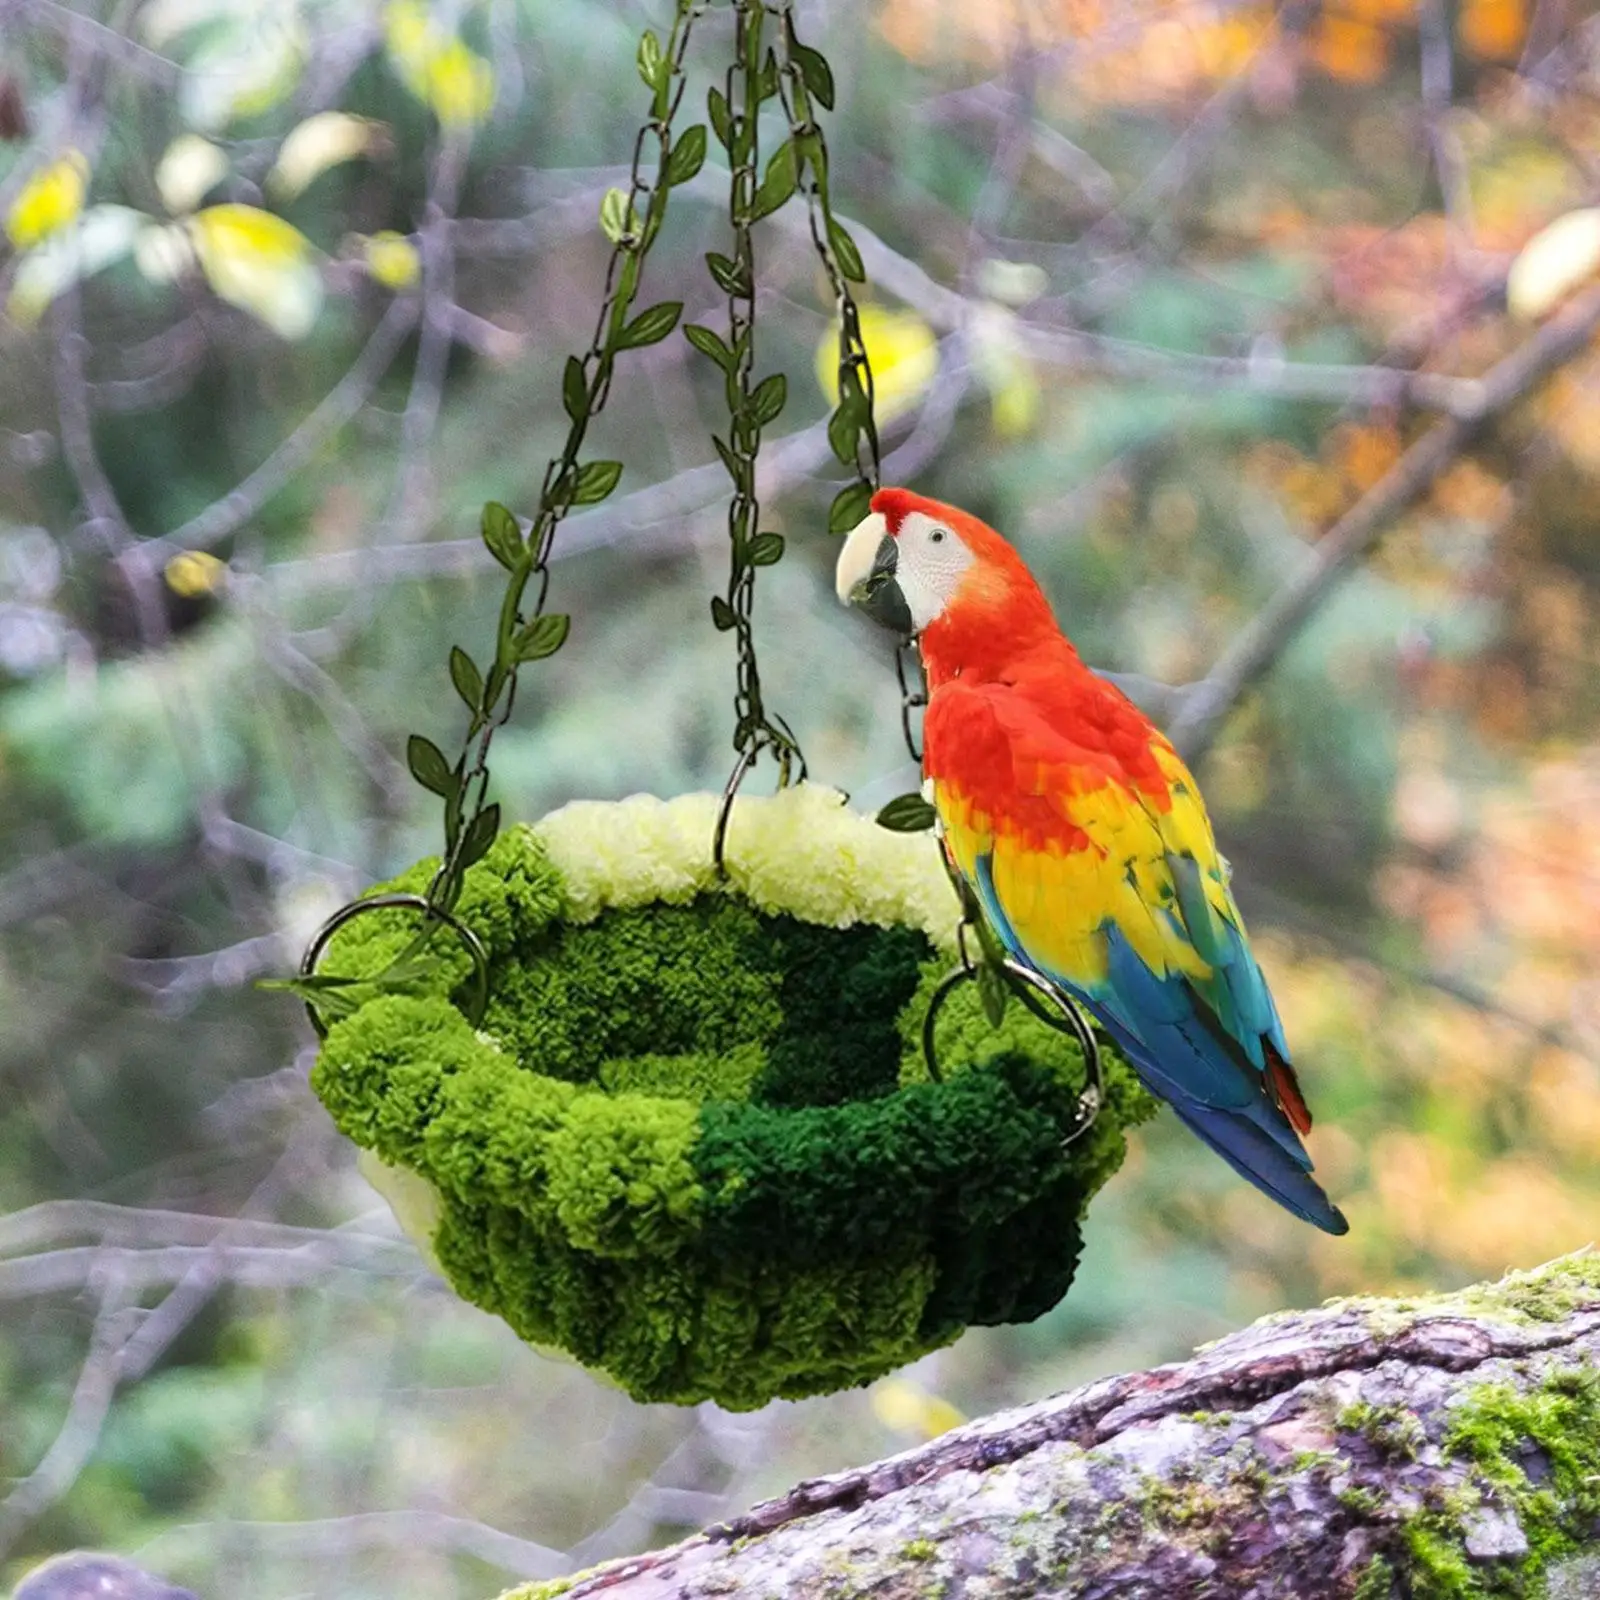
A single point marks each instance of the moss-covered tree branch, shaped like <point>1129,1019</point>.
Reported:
<point>1416,1449</point>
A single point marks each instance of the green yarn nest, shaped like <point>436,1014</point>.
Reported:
<point>694,1143</point>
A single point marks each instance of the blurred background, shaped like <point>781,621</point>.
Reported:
<point>287,287</point>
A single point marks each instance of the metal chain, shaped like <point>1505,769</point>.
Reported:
<point>586,386</point>
<point>527,632</point>
<point>797,75</point>
<point>911,699</point>
<point>803,78</point>
<point>748,81</point>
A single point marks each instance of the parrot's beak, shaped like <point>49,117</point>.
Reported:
<point>865,575</point>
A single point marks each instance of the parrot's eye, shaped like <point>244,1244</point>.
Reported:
<point>937,536</point>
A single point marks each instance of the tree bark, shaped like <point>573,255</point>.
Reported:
<point>1441,1446</point>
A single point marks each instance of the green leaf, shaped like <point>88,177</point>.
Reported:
<point>992,992</point>
<point>652,326</point>
<point>729,459</point>
<point>465,676</point>
<point>906,813</point>
<point>721,118</point>
<point>502,535</point>
<point>650,59</point>
<point>596,479</point>
<point>575,390</point>
<point>777,183</point>
<point>481,833</point>
<point>766,84</point>
<point>333,997</point>
<point>849,506</point>
<point>725,270</point>
<point>810,151</point>
<point>709,344</point>
<point>766,550</point>
<point>618,219</point>
<point>816,72</point>
<point>767,399</point>
<point>721,614</point>
<point>543,636</point>
<point>688,154</point>
<point>844,428</point>
<point>428,765</point>
<point>846,253</point>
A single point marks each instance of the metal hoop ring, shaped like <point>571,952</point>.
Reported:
<point>1068,1018</point>
<point>741,770</point>
<point>409,902</point>
<point>789,756</point>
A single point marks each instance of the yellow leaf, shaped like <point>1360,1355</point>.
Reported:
<point>1554,262</point>
<point>261,264</point>
<point>1007,373</point>
<point>903,354</point>
<point>392,260</point>
<point>907,1408</point>
<point>248,67</point>
<point>189,168</point>
<point>321,141</point>
<point>436,66</point>
<point>103,234</point>
<point>49,200</point>
<point>194,573</point>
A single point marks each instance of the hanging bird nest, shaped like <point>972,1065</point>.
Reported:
<point>694,1142</point>
<point>689,1090</point>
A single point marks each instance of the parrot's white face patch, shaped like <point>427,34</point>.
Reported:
<point>931,565</point>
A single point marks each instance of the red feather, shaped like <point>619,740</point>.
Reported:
<point>1286,1090</point>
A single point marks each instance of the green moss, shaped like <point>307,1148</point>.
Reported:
<point>1392,1430</point>
<point>919,1550</point>
<point>1438,1568</point>
<point>1360,1501</point>
<point>1538,1454</point>
<point>1532,1456</point>
<point>696,1146</point>
<point>550,1589</point>
<point>1376,1581</point>
<point>1543,1294</point>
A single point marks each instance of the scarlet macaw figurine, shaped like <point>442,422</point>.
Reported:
<point>1084,838</point>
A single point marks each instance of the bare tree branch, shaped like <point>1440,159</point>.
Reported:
<point>226,516</point>
<point>365,1530</point>
<point>74,1443</point>
<point>1258,646</point>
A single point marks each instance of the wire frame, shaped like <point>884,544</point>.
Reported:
<point>478,1002</point>
<point>1052,1005</point>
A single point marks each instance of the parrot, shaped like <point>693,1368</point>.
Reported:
<point>1084,838</point>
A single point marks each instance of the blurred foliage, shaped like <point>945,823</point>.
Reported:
<point>373,229</point>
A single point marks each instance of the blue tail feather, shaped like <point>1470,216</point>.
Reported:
<point>1263,1162</point>
<point>1215,1084</point>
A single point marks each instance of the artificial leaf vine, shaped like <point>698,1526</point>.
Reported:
<point>769,63</point>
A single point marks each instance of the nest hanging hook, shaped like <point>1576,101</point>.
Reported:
<point>730,791</point>
<point>476,1005</point>
<point>1052,1005</point>
<point>777,738</point>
